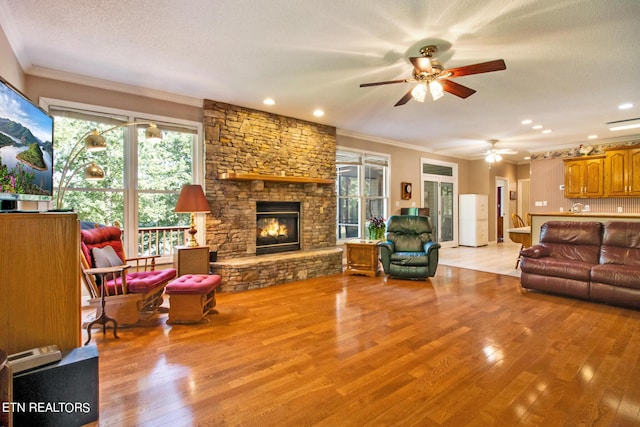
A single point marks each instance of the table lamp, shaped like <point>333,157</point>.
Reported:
<point>192,200</point>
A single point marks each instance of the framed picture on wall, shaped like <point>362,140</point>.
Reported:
<point>406,191</point>
<point>512,195</point>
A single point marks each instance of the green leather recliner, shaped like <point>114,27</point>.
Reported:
<point>409,250</point>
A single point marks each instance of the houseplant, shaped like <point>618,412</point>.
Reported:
<point>376,227</point>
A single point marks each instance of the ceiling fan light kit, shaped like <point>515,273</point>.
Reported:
<point>432,77</point>
<point>492,158</point>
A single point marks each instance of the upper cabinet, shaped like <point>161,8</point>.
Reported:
<point>614,174</point>
<point>583,177</point>
<point>622,172</point>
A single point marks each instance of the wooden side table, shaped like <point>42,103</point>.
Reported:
<point>362,257</point>
<point>191,260</point>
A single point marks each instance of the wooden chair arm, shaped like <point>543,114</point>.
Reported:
<point>107,270</point>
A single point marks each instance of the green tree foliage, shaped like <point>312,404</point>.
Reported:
<point>162,170</point>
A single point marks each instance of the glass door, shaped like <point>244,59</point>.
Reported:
<point>439,194</point>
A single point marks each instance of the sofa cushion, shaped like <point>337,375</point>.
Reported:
<point>101,237</point>
<point>621,243</point>
<point>618,275</point>
<point>410,258</point>
<point>141,282</point>
<point>570,240</point>
<point>557,267</point>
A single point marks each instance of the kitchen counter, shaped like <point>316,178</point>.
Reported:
<point>537,219</point>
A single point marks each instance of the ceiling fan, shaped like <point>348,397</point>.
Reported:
<point>494,154</point>
<point>433,78</point>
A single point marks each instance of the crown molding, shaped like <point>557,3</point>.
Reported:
<point>364,137</point>
<point>113,86</point>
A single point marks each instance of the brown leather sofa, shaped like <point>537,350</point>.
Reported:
<point>588,260</point>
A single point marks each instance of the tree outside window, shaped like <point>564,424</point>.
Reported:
<point>142,179</point>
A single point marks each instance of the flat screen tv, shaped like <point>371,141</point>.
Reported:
<point>26,148</point>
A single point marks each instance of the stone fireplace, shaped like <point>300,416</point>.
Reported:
<point>253,157</point>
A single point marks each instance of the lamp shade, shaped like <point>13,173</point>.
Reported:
<point>192,199</point>
<point>153,134</point>
<point>93,172</point>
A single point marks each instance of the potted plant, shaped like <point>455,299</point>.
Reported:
<point>376,227</point>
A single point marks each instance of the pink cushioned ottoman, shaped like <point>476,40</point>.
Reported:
<point>192,297</point>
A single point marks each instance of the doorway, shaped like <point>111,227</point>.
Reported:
<point>502,208</point>
<point>440,194</point>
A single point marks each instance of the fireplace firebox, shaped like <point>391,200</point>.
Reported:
<point>277,227</point>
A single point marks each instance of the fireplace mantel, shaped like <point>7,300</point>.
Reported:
<point>232,176</point>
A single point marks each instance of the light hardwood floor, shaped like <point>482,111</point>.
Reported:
<point>466,348</point>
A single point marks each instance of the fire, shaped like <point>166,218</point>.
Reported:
<point>272,228</point>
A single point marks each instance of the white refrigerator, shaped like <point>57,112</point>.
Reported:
<point>473,217</point>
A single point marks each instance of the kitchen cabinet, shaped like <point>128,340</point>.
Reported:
<point>622,172</point>
<point>584,177</point>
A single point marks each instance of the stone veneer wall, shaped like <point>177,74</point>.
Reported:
<point>242,140</point>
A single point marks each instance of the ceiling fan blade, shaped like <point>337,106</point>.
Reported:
<point>384,83</point>
<point>484,67</point>
<point>406,98</point>
<point>456,88</point>
<point>422,64</point>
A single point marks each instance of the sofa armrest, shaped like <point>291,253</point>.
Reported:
<point>386,249</point>
<point>536,251</point>
<point>431,246</point>
<point>433,254</point>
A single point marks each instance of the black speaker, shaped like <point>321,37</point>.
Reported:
<point>64,393</point>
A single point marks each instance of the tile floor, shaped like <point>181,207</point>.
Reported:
<point>497,258</point>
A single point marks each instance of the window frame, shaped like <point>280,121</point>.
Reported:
<point>130,188</point>
<point>366,158</point>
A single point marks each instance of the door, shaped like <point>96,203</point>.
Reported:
<point>438,196</point>
<point>500,211</point>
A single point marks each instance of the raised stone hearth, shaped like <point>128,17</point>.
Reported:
<point>254,156</point>
<point>242,274</point>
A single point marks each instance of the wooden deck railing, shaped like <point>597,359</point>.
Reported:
<point>161,240</point>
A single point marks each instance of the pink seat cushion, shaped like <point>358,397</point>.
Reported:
<point>140,282</point>
<point>190,284</point>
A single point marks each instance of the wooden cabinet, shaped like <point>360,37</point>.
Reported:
<point>362,257</point>
<point>6,384</point>
<point>584,177</point>
<point>622,172</point>
<point>188,260</point>
<point>40,281</point>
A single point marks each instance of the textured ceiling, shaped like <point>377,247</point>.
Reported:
<point>570,63</point>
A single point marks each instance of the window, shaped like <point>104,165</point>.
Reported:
<point>362,190</point>
<point>142,178</point>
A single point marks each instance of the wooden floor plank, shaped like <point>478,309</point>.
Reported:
<point>465,348</point>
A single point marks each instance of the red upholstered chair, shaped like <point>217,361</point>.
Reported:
<point>138,292</point>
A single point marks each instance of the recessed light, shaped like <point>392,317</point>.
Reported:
<point>592,137</point>
<point>269,101</point>
<point>546,131</point>
<point>537,127</point>
<point>526,122</point>
<point>625,106</point>
<point>318,113</point>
